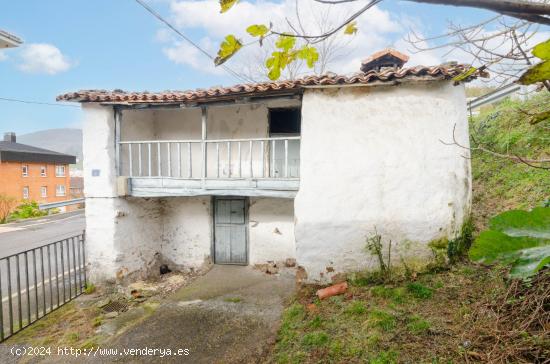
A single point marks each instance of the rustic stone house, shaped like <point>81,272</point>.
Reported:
<point>301,169</point>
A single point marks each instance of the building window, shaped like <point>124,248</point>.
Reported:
<point>60,171</point>
<point>43,171</point>
<point>60,190</point>
<point>44,191</point>
<point>25,170</point>
<point>26,193</point>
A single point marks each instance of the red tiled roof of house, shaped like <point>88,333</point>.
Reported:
<point>387,52</point>
<point>371,78</point>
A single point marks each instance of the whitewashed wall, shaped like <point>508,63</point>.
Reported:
<point>372,158</point>
<point>186,232</point>
<point>129,236</point>
<point>271,230</point>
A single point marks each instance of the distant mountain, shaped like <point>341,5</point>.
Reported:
<point>68,141</point>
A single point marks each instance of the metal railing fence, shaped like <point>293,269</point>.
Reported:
<point>38,281</point>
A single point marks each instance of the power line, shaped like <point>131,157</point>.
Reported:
<point>36,102</point>
<point>190,41</point>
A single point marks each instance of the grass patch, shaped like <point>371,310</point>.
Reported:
<point>69,325</point>
<point>419,290</point>
<point>89,288</point>
<point>356,308</point>
<point>417,325</point>
<point>387,324</point>
<point>382,319</point>
<point>315,339</point>
<point>233,299</point>
<point>501,184</point>
<point>397,295</point>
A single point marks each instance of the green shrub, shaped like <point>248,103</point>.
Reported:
<point>27,210</point>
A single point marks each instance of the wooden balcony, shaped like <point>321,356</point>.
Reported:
<point>267,167</point>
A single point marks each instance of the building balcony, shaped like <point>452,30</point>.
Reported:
<point>267,167</point>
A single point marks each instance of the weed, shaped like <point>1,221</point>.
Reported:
<point>97,321</point>
<point>417,325</point>
<point>295,312</point>
<point>72,337</point>
<point>316,322</point>
<point>418,290</point>
<point>89,288</point>
<point>397,295</point>
<point>458,247</point>
<point>315,339</point>
<point>374,246</point>
<point>382,319</point>
<point>233,299</point>
<point>356,308</point>
<point>384,357</point>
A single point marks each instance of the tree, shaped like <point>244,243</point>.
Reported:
<point>505,52</point>
<point>7,203</point>
<point>289,51</point>
<point>316,19</point>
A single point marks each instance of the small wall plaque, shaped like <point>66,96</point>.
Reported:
<point>96,172</point>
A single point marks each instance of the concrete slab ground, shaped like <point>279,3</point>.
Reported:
<point>229,315</point>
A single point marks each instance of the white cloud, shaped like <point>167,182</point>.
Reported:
<point>185,54</point>
<point>43,58</point>
<point>377,28</point>
<point>3,56</point>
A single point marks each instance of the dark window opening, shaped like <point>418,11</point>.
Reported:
<point>284,121</point>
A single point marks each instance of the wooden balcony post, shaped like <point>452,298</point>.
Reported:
<point>118,162</point>
<point>203,143</point>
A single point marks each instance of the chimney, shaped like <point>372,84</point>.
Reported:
<point>10,137</point>
<point>386,58</point>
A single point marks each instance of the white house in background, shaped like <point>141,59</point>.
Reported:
<point>302,169</point>
<point>8,40</point>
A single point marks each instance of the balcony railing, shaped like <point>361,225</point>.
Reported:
<point>257,158</point>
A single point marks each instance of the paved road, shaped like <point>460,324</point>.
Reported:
<point>25,235</point>
<point>34,282</point>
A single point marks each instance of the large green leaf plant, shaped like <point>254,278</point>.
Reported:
<point>516,237</point>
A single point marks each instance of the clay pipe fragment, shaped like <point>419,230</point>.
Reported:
<point>332,290</point>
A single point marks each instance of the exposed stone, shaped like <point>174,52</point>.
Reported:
<point>103,303</point>
<point>290,262</point>
<point>111,315</point>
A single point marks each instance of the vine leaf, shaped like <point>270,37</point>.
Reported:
<point>228,48</point>
<point>226,5</point>
<point>257,30</point>
<point>538,73</point>
<point>285,42</point>
<point>351,28</point>
<point>308,54</point>
<point>465,75</point>
<point>542,50</point>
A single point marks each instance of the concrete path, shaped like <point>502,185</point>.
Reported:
<point>229,315</point>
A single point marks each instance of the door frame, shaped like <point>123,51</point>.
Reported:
<point>246,201</point>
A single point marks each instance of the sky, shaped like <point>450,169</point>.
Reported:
<point>115,44</point>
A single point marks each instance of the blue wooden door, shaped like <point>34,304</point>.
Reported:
<point>230,242</point>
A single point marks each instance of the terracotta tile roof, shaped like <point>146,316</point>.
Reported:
<point>387,52</point>
<point>386,76</point>
<point>10,36</point>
